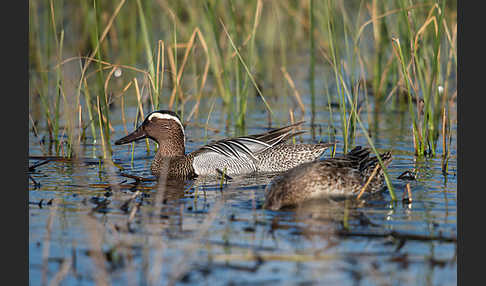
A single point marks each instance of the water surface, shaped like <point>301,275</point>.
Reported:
<point>216,233</point>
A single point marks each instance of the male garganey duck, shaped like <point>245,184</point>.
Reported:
<point>266,152</point>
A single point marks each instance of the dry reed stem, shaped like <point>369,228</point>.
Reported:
<point>157,245</point>
<point>391,12</point>
<point>430,19</point>
<point>292,120</point>
<point>252,79</point>
<point>41,144</point>
<point>33,125</point>
<point>368,181</point>
<point>195,109</point>
<point>123,115</point>
<point>292,85</point>
<point>139,97</point>
<point>62,273</point>
<point>95,231</point>
<point>353,105</point>
<point>154,244</point>
<point>189,46</point>
<point>407,76</point>
<point>191,248</point>
<point>135,208</point>
<point>139,101</point>
<point>108,65</point>
<point>409,192</point>
<point>448,33</point>
<point>384,75</point>
<point>256,22</point>
<point>110,74</point>
<point>127,86</point>
<point>449,62</point>
<point>101,126</point>
<point>161,184</point>
<point>181,69</point>
<point>80,122</point>
<point>160,59</point>
<point>157,249</point>
<point>170,55</point>
<point>272,257</point>
<point>365,88</point>
<point>394,90</point>
<point>303,20</point>
<point>374,19</point>
<point>409,83</point>
<point>53,21</point>
<point>146,84</point>
<point>325,56</point>
<point>89,107</point>
<point>444,126</point>
<point>123,105</point>
<point>46,245</point>
<point>206,65</point>
<point>206,125</point>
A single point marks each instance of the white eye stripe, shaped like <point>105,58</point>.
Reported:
<point>168,117</point>
<point>165,116</point>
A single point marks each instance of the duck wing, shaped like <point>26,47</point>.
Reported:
<point>251,145</point>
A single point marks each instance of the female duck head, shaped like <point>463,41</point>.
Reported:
<point>164,127</point>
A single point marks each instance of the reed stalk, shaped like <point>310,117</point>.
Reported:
<point>312,66</point>
<point>152,67</point>
<point>246,69</point>
<point>59,83</point>
<point>336,66</point>
<point>140,109</point>
<point>210,28</point>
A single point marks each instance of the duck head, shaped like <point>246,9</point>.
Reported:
<point>165,128</point>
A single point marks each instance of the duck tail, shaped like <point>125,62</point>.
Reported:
<point>367,166</point>
<point>358,153</point>
<point>277,136</point>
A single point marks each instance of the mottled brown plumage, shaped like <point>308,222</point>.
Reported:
<point>333,177</point>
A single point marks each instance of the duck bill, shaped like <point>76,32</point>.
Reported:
<point>138,134</point>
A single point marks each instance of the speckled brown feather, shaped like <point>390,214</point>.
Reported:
<point>339,176</point>
<point>179,166</point>
<point>287,156</point>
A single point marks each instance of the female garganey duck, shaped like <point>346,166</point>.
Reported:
<point>342,176</point>
<point>264,152</point>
